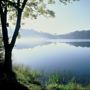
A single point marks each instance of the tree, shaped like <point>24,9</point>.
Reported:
<point>18,9</point>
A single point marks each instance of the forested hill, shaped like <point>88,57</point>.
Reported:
<point>75,35</point>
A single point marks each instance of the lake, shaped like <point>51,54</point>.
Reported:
<point>72,57</point>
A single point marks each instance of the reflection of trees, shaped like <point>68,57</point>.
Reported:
<point>81,44</point>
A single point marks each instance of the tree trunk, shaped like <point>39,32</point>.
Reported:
<point>8,62</point>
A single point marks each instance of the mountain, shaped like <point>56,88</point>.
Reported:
<point>33,33</point>
<point>75,35</point>
<point>72,35</point>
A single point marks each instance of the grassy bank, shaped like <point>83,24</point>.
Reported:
<point>30,78</point>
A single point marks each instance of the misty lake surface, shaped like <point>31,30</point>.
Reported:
<point>73,57</point>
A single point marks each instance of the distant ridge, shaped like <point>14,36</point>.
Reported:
<point>34,33</point>
<point>84,34</point>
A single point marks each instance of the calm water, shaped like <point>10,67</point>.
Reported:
<point>73,57</point>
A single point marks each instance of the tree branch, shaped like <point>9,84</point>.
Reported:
<point>18,3</point>
<point>23,4</point>
<point>18,22</point>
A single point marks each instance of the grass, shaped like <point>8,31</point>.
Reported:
<point>69,86</point>
<point>30,78</point>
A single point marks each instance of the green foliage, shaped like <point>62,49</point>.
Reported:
<point>69,86</point>
<point>51,1</point>
<point>67,1</point>
<point>54,78</point>
<point>35,87</point>
<point>33,8</point>
<point>25,75</point>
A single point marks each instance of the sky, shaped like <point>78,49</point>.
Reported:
<point>71,17</point>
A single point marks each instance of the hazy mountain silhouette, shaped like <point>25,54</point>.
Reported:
<point>84,34</point>
<point>76,35</point>
<point>73,35</point>
<point>33,33</point>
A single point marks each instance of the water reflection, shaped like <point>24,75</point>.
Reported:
<point>34,42</point>
<point>79,44</point>
<point>57,57</point>
<point>30,43</point>
<point>24,46</point>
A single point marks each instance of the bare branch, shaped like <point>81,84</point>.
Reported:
<point>18,3</point>
<point>24,3</point>
<point>18,22</point>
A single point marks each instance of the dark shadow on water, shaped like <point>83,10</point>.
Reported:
<point>9,82</point>
<point>79,44</point>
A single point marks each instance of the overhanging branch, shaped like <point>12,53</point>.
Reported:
<point>23,4</point>
<point>18,22</point>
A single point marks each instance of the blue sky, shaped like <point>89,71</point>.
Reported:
<point>71,17</point>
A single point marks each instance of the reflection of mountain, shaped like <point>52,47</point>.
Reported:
<point>79,44</point>
<point>30,45</point>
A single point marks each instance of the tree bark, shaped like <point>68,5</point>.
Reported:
<point>8,61</point>
<point>8,46</point>
<point>7,58</point>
